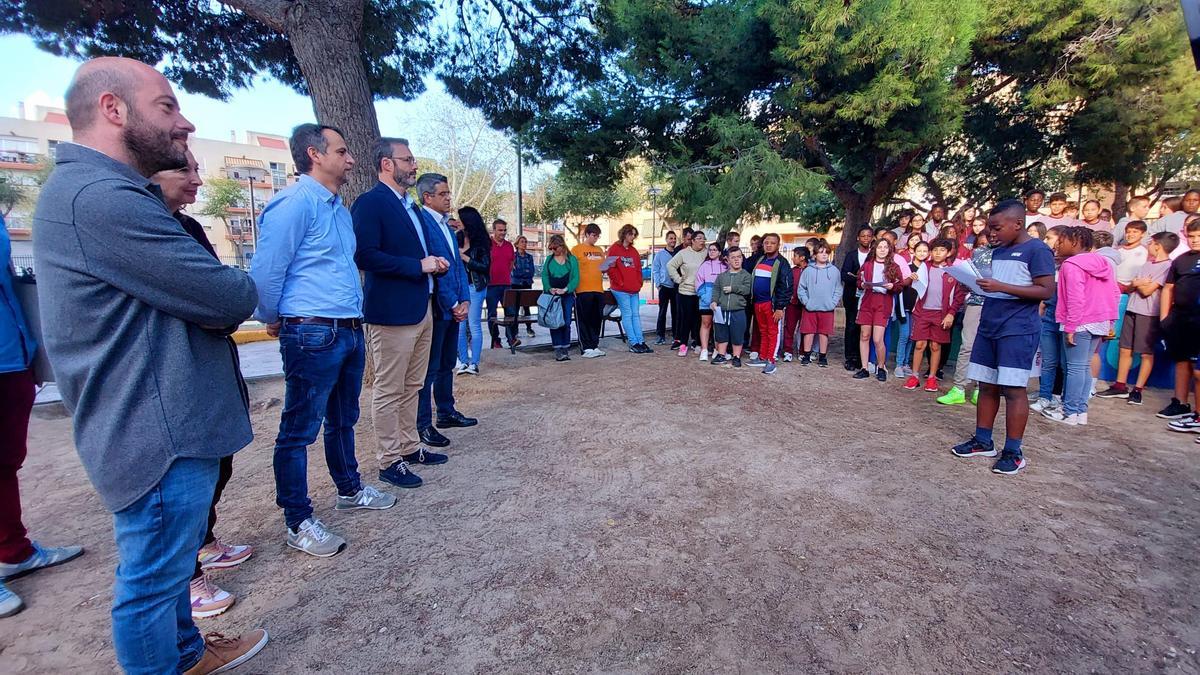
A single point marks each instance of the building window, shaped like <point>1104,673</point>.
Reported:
<point>278,175</point>
<point>21,150</point>
<point>52,149</point>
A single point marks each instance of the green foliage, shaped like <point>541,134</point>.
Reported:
<point>220,195</point>
<point>11,195</point>
<point>573,199</point>
<point>744,177</point>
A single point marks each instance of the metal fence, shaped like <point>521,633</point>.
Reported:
<point>23,264</point>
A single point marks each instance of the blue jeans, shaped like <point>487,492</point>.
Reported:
<point>439,377</point>
<point>495,296</point>
<point>1052,357</point>
<point>1078,383</point>
<point>904,342</point>
<point>158,537</point>
<point>630,305</point>
<point>323,371</point>
<point>561,337</point>
<point>474,325</point>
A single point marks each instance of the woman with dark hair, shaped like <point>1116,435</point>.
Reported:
<point>475,249</point>
<point>880,279</point>
<point>624,267</point>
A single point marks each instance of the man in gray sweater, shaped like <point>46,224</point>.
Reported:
<point>134,313</point>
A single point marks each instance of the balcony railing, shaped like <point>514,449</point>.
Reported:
<point>30,159</point>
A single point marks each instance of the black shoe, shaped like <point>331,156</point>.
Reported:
<point>676,345</point>
<point>850,366</point>
<point>431,437</point>
<point>514,343</point>
<point>561,354</point>
<point>941,375</point>
<point>495,343</point>
<point>426,457</point>
<point>455,420</point>
<point>1175,410</point>
<point>1135,397</point>
<point>737,362</point>
<point>862,374</point>
<point>881,374</point>
<point>529,332</point>
<point>805,359</point>
<point>646,349</point>
<point>1116,390</point>
<point>398,474</point>
<point>823,361</point>
<point>719,360</point>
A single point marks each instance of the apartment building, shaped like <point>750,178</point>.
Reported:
<point>260,161</point>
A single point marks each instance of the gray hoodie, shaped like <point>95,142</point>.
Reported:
<point>820,287</point>
<point>1112,255</point>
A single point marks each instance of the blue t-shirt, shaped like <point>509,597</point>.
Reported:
<point>1018,265</point>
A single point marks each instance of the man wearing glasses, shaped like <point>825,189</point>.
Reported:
<point>399,255</point>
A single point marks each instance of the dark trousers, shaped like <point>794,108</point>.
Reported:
<point>494,298</point>
<point>791,323</point>
<point>224,473</point>
<point>17,393</point>
<point>322,373</point>
<point>850,301</point>
<point>522,311</point>
<point>439,377</point>
<point>667,302</point>
<point>590,307</point>
<point>689,318</point>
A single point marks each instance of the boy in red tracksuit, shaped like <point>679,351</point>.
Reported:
<point>770,292</point>
<point>939,298</point>
<point>794,310</point>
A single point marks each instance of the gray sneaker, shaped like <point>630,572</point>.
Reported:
<point>43,556</point>
<point>312,538</point>
<point>367,498</point>
<point>10,603</point>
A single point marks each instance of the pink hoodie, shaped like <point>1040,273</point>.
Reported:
<point>1087,291</point>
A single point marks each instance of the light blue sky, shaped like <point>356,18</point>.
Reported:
<point>269,107</point>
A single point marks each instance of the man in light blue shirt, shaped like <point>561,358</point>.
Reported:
<point>309,295</point>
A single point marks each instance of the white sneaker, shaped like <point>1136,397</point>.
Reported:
<point>787,357</point>
<point>472,369</point>
<point>753,356</point>
<point>460,368</point>
<point>312,538</point>
<point>592,353</point>
<point>1040,405</point>
<point>10,603</point>
<point>601,352</point>
<point>208,599</point>
<point>367,498</point>
<point>1081,419</point>
<point>1060,416</point>
<point>704,355</point>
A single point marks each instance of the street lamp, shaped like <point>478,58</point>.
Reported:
<point>654,192</point>
<point>252,173</point>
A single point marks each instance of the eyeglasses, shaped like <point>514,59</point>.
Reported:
<point>407,160</point>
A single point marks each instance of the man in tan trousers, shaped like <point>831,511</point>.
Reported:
<point>400,259</point>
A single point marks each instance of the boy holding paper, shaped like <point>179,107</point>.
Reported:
<point>731,292</point>
<point>1022,276</point>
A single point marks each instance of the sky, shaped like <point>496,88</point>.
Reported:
<point>268,107</point>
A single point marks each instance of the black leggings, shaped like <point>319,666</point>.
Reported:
<point>689,318</point>
<point>667,303</point>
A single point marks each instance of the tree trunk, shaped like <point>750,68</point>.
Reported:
<point>326,38</point>
<point>1120,200</point>
<point>858,213</point>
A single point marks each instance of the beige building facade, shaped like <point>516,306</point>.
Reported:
<point>261,162</point>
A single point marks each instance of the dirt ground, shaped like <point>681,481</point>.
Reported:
<point>653,514</point>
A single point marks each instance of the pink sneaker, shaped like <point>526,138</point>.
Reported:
<point>219,555</point>
<point>207,599</point>
<point>683,350</point>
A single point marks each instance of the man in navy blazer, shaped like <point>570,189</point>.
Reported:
<point>398,254</point>
<point>433,191</point>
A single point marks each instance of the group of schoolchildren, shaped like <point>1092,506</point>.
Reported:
<point>1045,293</point>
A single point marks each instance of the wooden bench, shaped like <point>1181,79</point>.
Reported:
<point>512,302</point>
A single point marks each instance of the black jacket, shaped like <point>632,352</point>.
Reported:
<point>479,267</point>
<point>850,268</point>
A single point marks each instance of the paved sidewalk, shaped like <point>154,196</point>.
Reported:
<point>262,359</point>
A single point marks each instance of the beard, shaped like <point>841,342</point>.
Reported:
<point>403,178</point>
<point>152,150</point>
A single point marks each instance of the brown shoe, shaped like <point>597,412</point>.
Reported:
<point>222,653</point>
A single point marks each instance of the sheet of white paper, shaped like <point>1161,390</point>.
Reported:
<point>719,316</point>
<point>966,273</point>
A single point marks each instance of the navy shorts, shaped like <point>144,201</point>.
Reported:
<point>1005,361</point>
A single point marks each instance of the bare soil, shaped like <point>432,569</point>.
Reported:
<point>654,514</point>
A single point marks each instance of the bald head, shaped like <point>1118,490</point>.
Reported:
<point>127,110</point>
<point>119,77</point>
